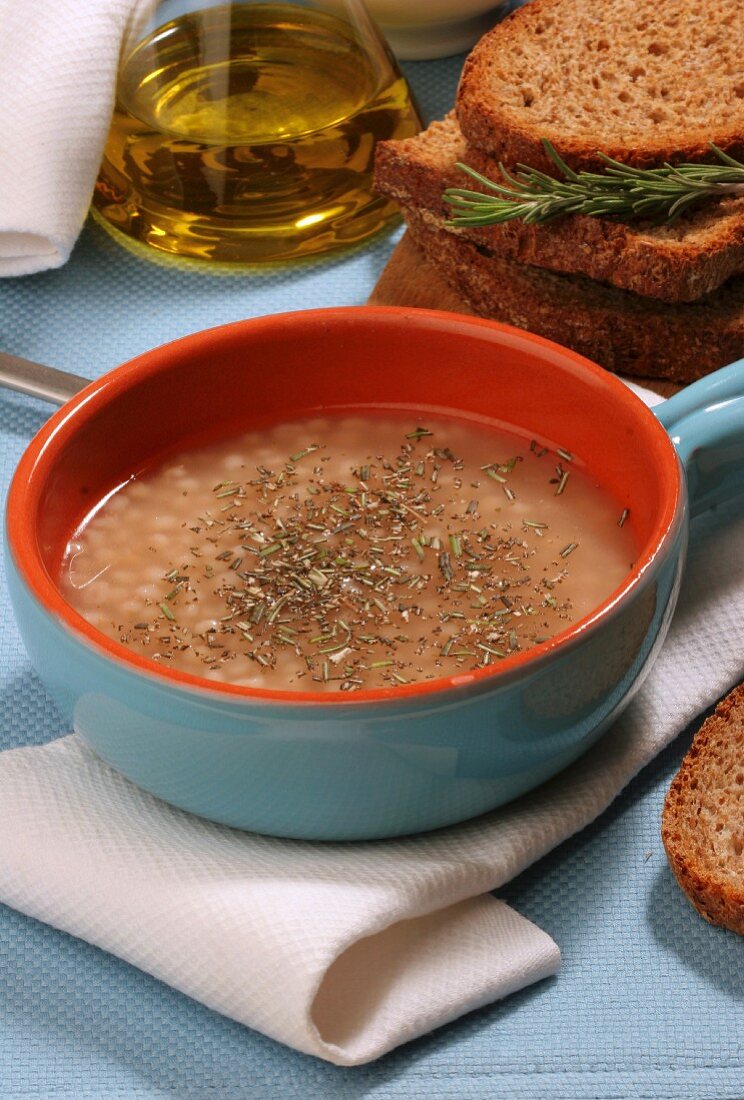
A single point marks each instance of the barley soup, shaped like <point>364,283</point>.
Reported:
<point>363,549</point>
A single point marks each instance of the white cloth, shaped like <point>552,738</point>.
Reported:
<point>343,950</point>
<point>58,61</point>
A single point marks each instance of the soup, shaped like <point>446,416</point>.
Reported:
<point>350,551</point>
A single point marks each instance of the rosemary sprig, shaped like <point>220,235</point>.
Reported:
<point>620,191</point>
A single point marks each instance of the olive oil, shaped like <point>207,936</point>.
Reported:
<point>245,133</point>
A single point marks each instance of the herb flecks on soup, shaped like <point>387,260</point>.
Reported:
<point>349,552</point>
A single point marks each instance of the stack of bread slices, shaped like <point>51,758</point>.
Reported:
<point>644,81</point>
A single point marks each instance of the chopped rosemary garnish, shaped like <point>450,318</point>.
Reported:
<point>445,566</point>
<point>562,482</point>
<point>394,577</point>
<point>496,477</point>
<point>307,451</point>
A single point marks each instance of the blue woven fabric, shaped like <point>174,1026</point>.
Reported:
<point>649,999</point>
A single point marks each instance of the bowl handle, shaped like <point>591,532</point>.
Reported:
<point>706,424</point>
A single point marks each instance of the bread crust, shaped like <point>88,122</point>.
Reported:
<point>683,264</point>
<point>509,131</point>
<point>621,331</point>
<point>691,851</point>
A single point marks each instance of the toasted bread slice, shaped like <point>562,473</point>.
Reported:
<point>702,823</point>
<point>644,82</point>
<point>621,331</point>
<point>681,262</point>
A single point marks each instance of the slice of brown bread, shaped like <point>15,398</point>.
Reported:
<point>702,824</point>
<point>621,331</point>
<point>681,262</point>
<point>643,80</point>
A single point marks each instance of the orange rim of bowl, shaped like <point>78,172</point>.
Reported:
<point>29,479</point>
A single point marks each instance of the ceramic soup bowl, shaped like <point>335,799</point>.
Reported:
<point>383,762</point>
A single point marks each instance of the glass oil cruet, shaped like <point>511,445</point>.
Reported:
<point>244,132</point>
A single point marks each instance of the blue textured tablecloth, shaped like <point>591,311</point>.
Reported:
<point>648,1002</point>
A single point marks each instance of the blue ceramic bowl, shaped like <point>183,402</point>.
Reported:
<point>385,762</point>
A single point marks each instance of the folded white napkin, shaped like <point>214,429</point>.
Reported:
<point>58,61</point>
<point>343,950</point>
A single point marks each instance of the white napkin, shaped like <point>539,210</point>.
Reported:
<point>343,950</point>
<point>58,61</point>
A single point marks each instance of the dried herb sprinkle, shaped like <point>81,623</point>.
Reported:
<point>333,571</point>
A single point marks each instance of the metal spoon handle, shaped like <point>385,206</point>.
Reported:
<point>36,380</point>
